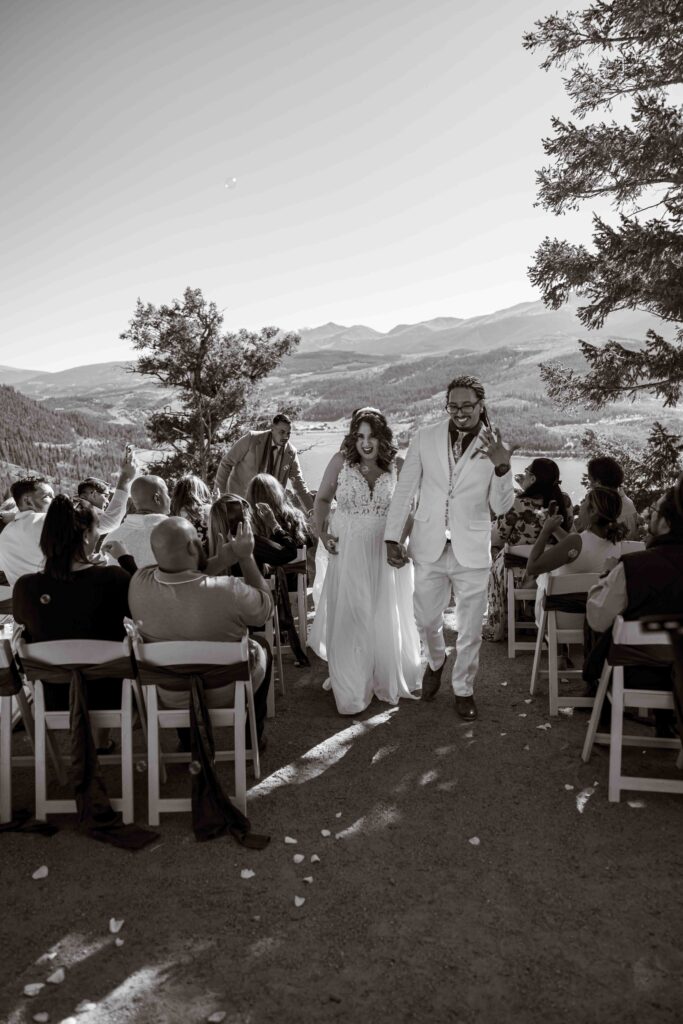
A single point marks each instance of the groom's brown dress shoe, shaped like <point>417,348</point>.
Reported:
<point>431,681</point>
<point>466,708</point>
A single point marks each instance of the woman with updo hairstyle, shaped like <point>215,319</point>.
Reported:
<point>74,597</point>
<point>364,623</point>
<point>540,495</point>
<point>587,551</point>
<point>191,499</point>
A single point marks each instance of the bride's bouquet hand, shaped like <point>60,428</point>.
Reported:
<point>330,542</point>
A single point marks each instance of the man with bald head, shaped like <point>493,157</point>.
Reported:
<point>177,599</point>
<point>152,505</point>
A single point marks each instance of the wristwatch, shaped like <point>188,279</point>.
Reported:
<point>502,468</point>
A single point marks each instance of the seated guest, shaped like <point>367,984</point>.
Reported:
<point>73,598</point>
<point>228,513</point>
<point>540,495</point>
<point>20,551</point>
<point>263,451</point>
<point>268,500</point>
<point>191,499</point>
<point>176,600</point>
<point>580,552</point>
<point>95,492</point>
<point>152,504</point>
<point>606,472</point>
<point>648,582</point>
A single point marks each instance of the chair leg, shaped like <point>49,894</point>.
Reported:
<point>302,610</point>
<point>594,720</point>
<point>278,650</point>
<point>553,670</point>
<point>5,759</point>
<point>679,760</point>
<point>127,752</point>
<point>142,709</point>
<point>56,759</point>
<point>251,711</point>
<point>512,624</point>
<point>270,704</point>
<point>616,734</point>
<point>538,654</point>
<point>153,756</point>
<point>40,766</point>
<point>240,752</point>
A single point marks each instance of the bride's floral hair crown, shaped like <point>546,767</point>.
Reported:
<point>380,429</point>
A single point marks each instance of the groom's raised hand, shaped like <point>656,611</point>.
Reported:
<point>493,448</point>
<point>397,554</point>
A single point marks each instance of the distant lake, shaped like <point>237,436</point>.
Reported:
<point>322,444</point>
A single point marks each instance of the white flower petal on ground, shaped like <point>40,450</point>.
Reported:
<point>115,926</point>
<point>568,785</point>
<point>567,712</point>
<point>583,797</point>
<point>118,941</point>
<point>290,841</point>
<point>85,1006</point>
<point>247,873</point>
<point>469,734</point>
<point>33,988</point>
<point>299,901</point>
<point>338,814</point>
<point>504,683</point>
<point>325,832</point>
<point>546,725</point>
<point>503,734</point>
<point>41,872</point>
<point>526,747</point>
<point>217,1017</point>
<point>474,841</point>
<point>57,977</point>
<point>315,859</point>
<point>636,803</point>
<point>528,700</point>
<point>308,879</point>
<point>41,1018</point>
<point>298,858</point>
<point>522,714</point>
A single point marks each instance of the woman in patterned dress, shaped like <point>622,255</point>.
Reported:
<point>540,484</point>
<point>364,623</point>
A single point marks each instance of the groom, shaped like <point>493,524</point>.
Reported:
<point>461,470</point>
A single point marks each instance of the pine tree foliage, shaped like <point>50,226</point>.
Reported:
<point>648,469</point>
<point>213,373</point>
<point>622,58</point>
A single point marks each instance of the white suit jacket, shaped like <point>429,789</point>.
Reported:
<point>477,490</point>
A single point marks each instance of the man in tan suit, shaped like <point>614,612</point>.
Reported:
<point>263,451</point>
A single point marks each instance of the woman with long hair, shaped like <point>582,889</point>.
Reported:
<point>75,597</point>
<point>364,622</point>
<point>191,499</point>
<point>540,495</point>
<point>269,500</point>
<point>587,551</point>
<point>227,512</point>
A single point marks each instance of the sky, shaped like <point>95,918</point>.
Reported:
<point>384,150</point>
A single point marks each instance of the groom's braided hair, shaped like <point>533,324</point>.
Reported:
<point>381,430</point>
<point>474,384</point>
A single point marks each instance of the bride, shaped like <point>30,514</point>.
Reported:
<point>364,624</point>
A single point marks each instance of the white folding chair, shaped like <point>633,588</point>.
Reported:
<point>5,604</point>
<point>299,566</point>
<point>515,556</point>
<point>561,627</point>
<point>10,689</point>
<point>628,640</point>
<point>170,665</point>
<point>53,661</point>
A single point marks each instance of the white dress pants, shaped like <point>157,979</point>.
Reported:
<point>433,583</point>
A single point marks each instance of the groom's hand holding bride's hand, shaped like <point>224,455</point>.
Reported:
<point>397,554</point>
<point>494,449</point>
<point>330,542</point>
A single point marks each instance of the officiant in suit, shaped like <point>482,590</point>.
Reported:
<point>460,469</point>
<point>264,451</point>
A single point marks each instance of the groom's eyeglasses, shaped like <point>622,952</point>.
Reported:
<point>467,408</point>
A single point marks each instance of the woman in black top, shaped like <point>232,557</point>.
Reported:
<point>73,598</point>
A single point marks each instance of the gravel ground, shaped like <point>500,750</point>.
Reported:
<point>553,915</point>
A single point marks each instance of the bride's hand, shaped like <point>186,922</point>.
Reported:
<point>330,542</point>
<point>397,554</point>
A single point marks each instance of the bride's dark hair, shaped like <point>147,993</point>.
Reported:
<point>380,429</point>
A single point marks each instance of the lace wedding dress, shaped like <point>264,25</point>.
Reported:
<point>364,624</point>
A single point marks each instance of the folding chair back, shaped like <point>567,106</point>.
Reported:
<point>564,613</point>
<point>171,665</point>
<point>515,557</point>
<point>53,661</point>
<point>632,645</point>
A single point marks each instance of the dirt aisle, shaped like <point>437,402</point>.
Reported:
<point>552,916</point>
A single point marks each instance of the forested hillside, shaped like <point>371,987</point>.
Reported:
<point>64,446</point>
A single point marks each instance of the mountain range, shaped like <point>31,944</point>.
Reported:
<point>337,367</point>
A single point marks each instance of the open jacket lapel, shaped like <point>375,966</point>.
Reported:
<point>466,460</point>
